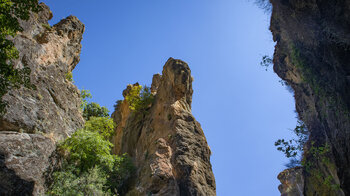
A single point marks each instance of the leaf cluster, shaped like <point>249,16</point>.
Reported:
<point>139,99</point>
<point>266,62</point>
<point>94,110</point>
<point>293,148</point>
<point>84,95</point>
<point>90,168</point>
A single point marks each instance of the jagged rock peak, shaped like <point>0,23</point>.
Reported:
<point>167,144</point>
<point>37,118</point>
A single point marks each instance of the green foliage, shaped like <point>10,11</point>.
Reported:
<point>139,99</point>
<point>68,182</point>
<point>117,103</point>
<point>69,76</point>
<point>122,170</point>
<point>317,154</point>
<point>46,26</point>
<point>89,167</point>
<point>133,98</point>
<point>266,61</point>
<point>293,148</point>
<point>103,125</point>
<point>85,95</point>
<point>324,182</point>
<point>94,109</point>
<point>10,12</point>
<point>86,149</point>
<point>265,5</point>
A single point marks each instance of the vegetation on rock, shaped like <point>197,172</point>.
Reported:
<point>94,110</point>
<point>89,168</point>
<point>139,99</point>
<point>10,77</point>
<point>293,148</point>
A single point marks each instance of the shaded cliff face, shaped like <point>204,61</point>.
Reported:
<point>312,55</point>
<point>167,144</point>
<point>36,118</point>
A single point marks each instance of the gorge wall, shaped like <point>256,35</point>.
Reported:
<point>37,118</point>
<point>312,56</point>
<point>167,144</point>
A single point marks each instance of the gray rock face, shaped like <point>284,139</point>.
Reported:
<point>167,143</point>
<point>37,118</point>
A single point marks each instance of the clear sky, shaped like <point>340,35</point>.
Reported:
<point>242,108</point>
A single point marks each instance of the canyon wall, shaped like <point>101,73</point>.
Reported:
<point>37,118</point>
<point>312,56</point>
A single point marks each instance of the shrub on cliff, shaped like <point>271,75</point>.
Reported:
<point>293,148</point>
<point>89,168</point>
<point>103,125</point>
<point>139,99</point>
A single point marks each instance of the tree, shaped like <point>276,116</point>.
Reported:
<point>10,12</point>
<point>103,125</point>
<point>94,110</point>
<point>139,99</point>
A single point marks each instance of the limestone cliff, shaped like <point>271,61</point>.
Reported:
<point>312,56</point>
<point>167,144</point>
<point>36,118</point>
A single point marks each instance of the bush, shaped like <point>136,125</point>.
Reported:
<point>86,149</point>
<point>139,99</point>
<point>103,125</point>
<point>68,182</point>
<point>85,95</point>
<point>89,167</point>
<point>94,109</point>
<point>69,76</point>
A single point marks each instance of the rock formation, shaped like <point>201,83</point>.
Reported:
<point>312,56</point>
<point>167,144</point>
<point>37,118</point>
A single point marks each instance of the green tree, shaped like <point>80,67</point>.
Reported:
<point>90,183</point>
<point>94,110</point>
<point>103,125</point>
<point>84,95</point>
<point>139,99</point>
<point>10,12</point>
<point>87,149</point>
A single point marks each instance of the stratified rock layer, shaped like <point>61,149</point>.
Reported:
<point>36,118</point>
<point>312,55</point>
<point>167,144</point>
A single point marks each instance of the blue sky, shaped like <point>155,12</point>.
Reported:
<point>242,108</point>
